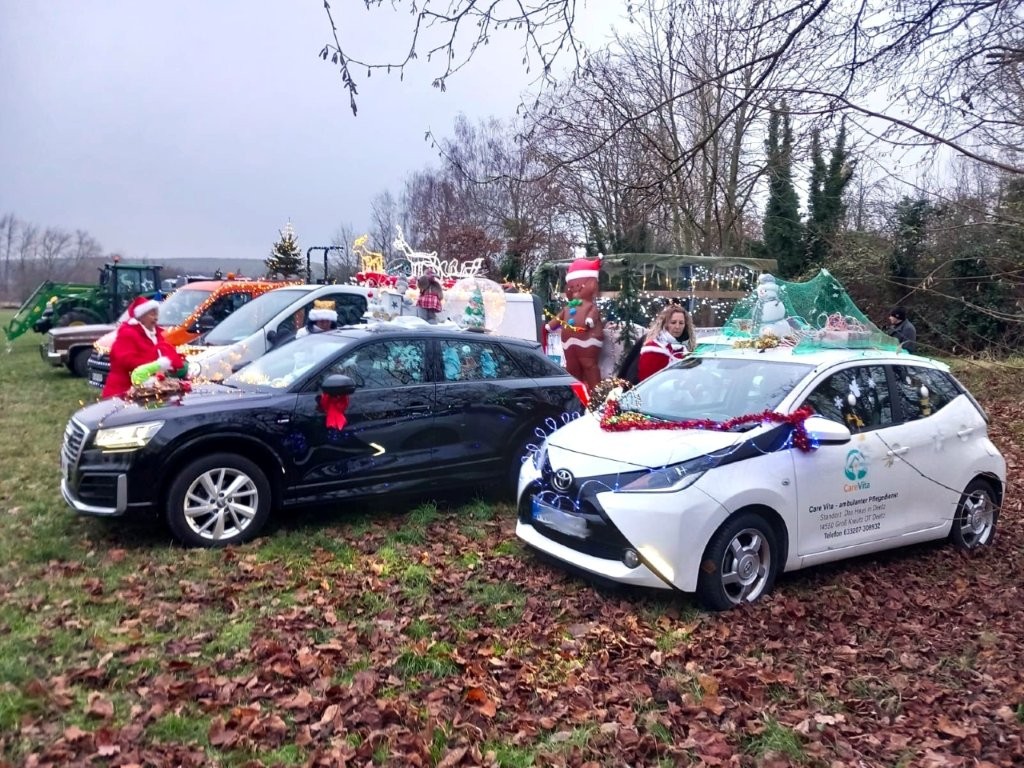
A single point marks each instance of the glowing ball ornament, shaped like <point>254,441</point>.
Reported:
<point>475,303</point>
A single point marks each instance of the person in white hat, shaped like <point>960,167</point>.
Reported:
<point>139,341</point>
<point>322,317</point>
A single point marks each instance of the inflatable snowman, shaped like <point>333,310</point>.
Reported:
<point>770,312</point>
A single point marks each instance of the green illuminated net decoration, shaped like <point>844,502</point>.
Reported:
<point>817,314</point>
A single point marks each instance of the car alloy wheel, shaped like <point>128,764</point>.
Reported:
<point>976,516</point>
<point>218,500</point>
<point>739,564</point>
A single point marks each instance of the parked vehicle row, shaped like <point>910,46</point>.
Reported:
<point>189,312</point>
<point>713,476</point>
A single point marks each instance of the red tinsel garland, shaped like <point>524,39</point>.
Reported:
<point>613,420</point>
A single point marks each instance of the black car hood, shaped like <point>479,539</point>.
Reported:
<point>204,398</point>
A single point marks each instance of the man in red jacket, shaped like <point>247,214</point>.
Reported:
<point>139,341</point>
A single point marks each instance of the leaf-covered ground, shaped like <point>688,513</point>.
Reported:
<point>429,637</point>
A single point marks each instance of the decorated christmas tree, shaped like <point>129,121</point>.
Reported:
<point>285,259</point>
<point>473,317</point>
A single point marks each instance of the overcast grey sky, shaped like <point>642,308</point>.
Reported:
<point>198,127</point>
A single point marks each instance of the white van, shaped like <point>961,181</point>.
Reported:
<point>267,321</point>
<point>522,319</point>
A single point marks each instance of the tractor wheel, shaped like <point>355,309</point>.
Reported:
<point>76,317</point>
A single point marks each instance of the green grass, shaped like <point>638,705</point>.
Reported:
<point>395,616</point>
<point>776,739</point>
<point>435,662</point>
<point>503,602</point>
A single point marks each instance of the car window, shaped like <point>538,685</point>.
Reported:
<point>224,305</point>
<point>923,391</point>
<point>534,363</point>
<point>253,316</point>
<point>177,308</point>
<point>280,368</point>
<point>385,364</point>
<point>350,307</point>
<point>476,361</point>
<point>717,388</point>
<point>857,397</point>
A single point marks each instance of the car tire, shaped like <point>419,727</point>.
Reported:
<point>76,317</point>
<point>974,524</point>
<point>740,563</point>
<point>218,500</point>
<point>79,363</point>
<point>515,464</point>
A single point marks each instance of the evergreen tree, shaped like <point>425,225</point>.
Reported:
<point>908,243</point>
<point>782,228</point>
<point>285,259</point>
<point>825,206</point>
<point>473,316</point>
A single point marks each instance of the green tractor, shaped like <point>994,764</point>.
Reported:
<point>60,304</point>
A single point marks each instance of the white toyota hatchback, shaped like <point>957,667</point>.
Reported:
<point>725,469</point>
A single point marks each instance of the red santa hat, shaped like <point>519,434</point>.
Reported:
<point>140,306</point>
<point>583,268</point>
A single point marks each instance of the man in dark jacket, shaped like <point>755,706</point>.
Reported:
<point>902,329</point>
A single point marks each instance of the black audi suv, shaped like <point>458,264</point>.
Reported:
<point>382,409</point>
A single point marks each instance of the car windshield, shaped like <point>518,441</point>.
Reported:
<point>245,321</point>
<point>180,304</point>
<point>716,388</point>
<point>282,367</point>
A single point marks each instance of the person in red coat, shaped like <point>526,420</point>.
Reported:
<point>139,341</point>
<point>670,338</point>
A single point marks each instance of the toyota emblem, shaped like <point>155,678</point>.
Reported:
<point>562,480</point>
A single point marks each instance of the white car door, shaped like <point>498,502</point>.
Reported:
<point>862,491</point>
<point>940,428</point>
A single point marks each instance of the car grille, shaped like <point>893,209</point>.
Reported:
<point>74,441</point>
<point>603,539</point>
<point>99,490</point>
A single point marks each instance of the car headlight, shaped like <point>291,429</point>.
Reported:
<point>670,479</point>
<point>540,456</point>
<point>127,438</point>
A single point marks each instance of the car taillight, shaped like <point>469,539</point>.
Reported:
<point>581,392</point>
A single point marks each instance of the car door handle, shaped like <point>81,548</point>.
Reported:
<point>965,433</point>
<point>898,451</point>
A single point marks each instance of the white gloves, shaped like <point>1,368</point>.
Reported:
<point>164,363</point>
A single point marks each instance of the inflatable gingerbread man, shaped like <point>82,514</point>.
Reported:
<point>580,321</point>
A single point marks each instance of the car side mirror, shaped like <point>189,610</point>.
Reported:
<point>206,323</point>
<point>827,432</point>
<point>271,336</point>
<point>338,384</point>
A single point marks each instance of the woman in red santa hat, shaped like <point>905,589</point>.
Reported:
<point>139,341</point>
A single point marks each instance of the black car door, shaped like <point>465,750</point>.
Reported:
<point>485,408</point>
<point>387,440</point>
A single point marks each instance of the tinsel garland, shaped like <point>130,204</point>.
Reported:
<point>766,341</point>
<point>614,420</point>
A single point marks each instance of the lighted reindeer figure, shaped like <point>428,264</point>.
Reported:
<point>369,261</point>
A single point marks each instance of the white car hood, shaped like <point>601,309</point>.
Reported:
<point>586,450</point>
